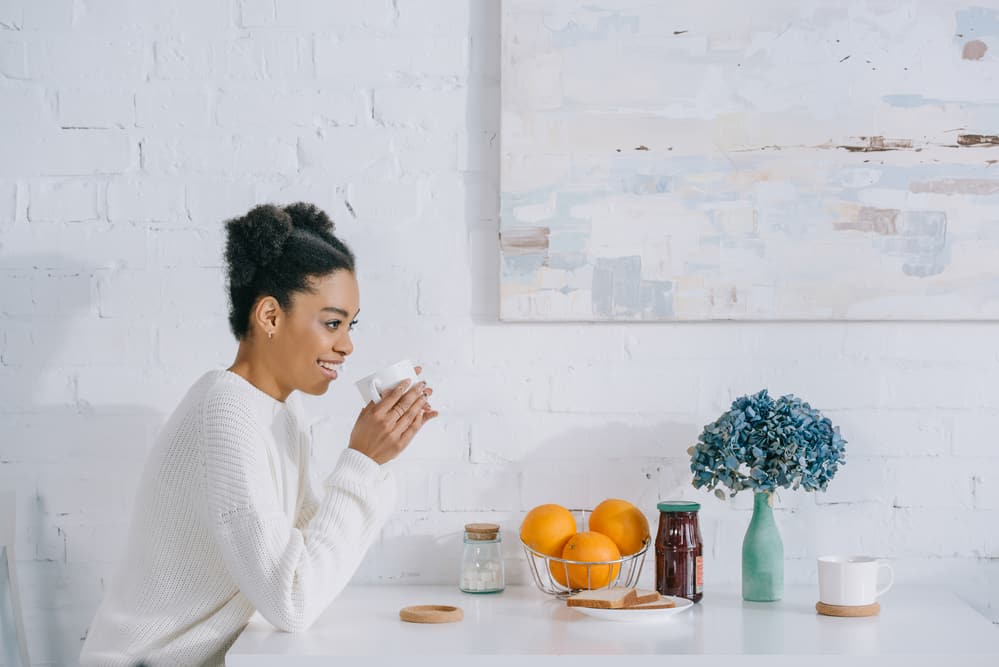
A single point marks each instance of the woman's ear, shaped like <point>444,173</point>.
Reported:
<point>267,315</point>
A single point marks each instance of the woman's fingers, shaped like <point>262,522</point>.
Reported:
<point>415,426</point>
<point>412,429</point>
<point>413,409</point>
<point>386,405</point>
<point>414,396</point>
<point>385,429</point>
<point>418,415</point>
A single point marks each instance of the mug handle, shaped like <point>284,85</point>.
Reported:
<point>375,389</point>
<point>884,565</point>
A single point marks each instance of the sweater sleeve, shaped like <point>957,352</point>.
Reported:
<point>289,574</point>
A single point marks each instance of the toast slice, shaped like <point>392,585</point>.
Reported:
<point>643,596</point>
<point>617,597</point>
<point>661,602</point>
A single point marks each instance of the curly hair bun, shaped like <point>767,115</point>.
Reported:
<point>255,240</point>
<point>309,217</point>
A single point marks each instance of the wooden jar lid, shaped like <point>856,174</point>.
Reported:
<point>431,613</point>
<point>848,612</point>
<point>482,531</point>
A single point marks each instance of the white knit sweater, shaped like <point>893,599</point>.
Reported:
<point>226,523</point>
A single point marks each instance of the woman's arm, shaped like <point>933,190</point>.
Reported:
<point>289,574</point>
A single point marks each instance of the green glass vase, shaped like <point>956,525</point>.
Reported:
<point>762,555</point>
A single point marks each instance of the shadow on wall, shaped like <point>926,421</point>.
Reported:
<point>72,464</point>
<point>642,463</point>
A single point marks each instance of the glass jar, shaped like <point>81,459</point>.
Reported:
<point>482,560</point>
<point>679,551</point>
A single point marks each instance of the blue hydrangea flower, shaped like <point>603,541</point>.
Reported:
<point>764,444</point>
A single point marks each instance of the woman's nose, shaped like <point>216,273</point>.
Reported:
<point>344,346</point>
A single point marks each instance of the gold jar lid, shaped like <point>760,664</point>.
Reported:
<point>482,531</point>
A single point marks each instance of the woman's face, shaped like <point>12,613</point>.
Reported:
<point>314,336</point>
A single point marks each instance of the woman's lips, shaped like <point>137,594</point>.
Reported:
<point>328,369</point>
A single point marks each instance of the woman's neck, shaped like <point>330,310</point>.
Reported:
<point>254,370</point>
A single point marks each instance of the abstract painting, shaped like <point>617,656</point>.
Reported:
<point>772,160</point>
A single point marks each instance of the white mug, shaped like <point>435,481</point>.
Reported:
<point>374,386</point>
<point>852,581</point>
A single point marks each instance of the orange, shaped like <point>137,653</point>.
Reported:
<point>547,528</point>
<point>558,570</point>
<point>622,522</point>
<point>589,547</point>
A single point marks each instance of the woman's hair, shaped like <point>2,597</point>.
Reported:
<point>272,251</point>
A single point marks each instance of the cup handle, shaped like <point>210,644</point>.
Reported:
<point>884,565</point>
<point>375,389</point>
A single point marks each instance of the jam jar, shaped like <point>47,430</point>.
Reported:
<point>679,551</point>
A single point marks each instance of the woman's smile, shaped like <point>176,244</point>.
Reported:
<point>329,368</point>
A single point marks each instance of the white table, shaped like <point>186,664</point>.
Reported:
<point>523,626</point>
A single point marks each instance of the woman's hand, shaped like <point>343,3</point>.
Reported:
<point>385,428</point>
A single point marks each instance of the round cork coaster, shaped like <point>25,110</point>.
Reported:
<point>848,612</point>
<point>431,613</point>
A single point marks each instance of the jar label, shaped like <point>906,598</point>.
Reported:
<point>699,580</point>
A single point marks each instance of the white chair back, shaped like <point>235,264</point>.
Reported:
<point>11,620</point>
<point>8,512</point>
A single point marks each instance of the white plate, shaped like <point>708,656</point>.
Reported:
<point>638,615</point>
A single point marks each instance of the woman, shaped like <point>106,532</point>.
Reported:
<point>226,521</point>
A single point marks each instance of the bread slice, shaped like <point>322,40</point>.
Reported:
<point>604,598</point>
<point>661,602</point>
<point>643,596</point>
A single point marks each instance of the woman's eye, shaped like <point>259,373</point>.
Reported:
<point>352,325</point>
<point>333,324</point>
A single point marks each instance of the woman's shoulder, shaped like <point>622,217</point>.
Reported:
<point>225,383</point>
<point>210,401</point>
<point>227,402</point>
<point>221,394</point>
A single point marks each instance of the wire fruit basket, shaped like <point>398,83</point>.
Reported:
<point>623,571</point>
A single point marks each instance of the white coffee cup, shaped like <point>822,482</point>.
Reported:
<point>374,386</point>
<point>852,581</point>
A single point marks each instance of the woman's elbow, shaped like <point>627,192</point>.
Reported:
<point>291,620</point>
<point>291,624</point>
<point>295,610</point>
<point>296,625</point>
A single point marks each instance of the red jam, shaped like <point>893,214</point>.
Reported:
<point>679,551</point>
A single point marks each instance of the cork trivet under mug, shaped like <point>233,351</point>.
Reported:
<point>848,585</point>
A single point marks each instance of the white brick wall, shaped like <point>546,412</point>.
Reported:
<point>131,130</point>
<point>170,104</point>
<point>96,108</point>
<point>8,203</point>
<point>64,201</point>
<point>13,61</point>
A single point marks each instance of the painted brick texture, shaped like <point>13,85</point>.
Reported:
<point>132,130</point>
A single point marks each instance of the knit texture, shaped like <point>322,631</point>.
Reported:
<point>227,523</point>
